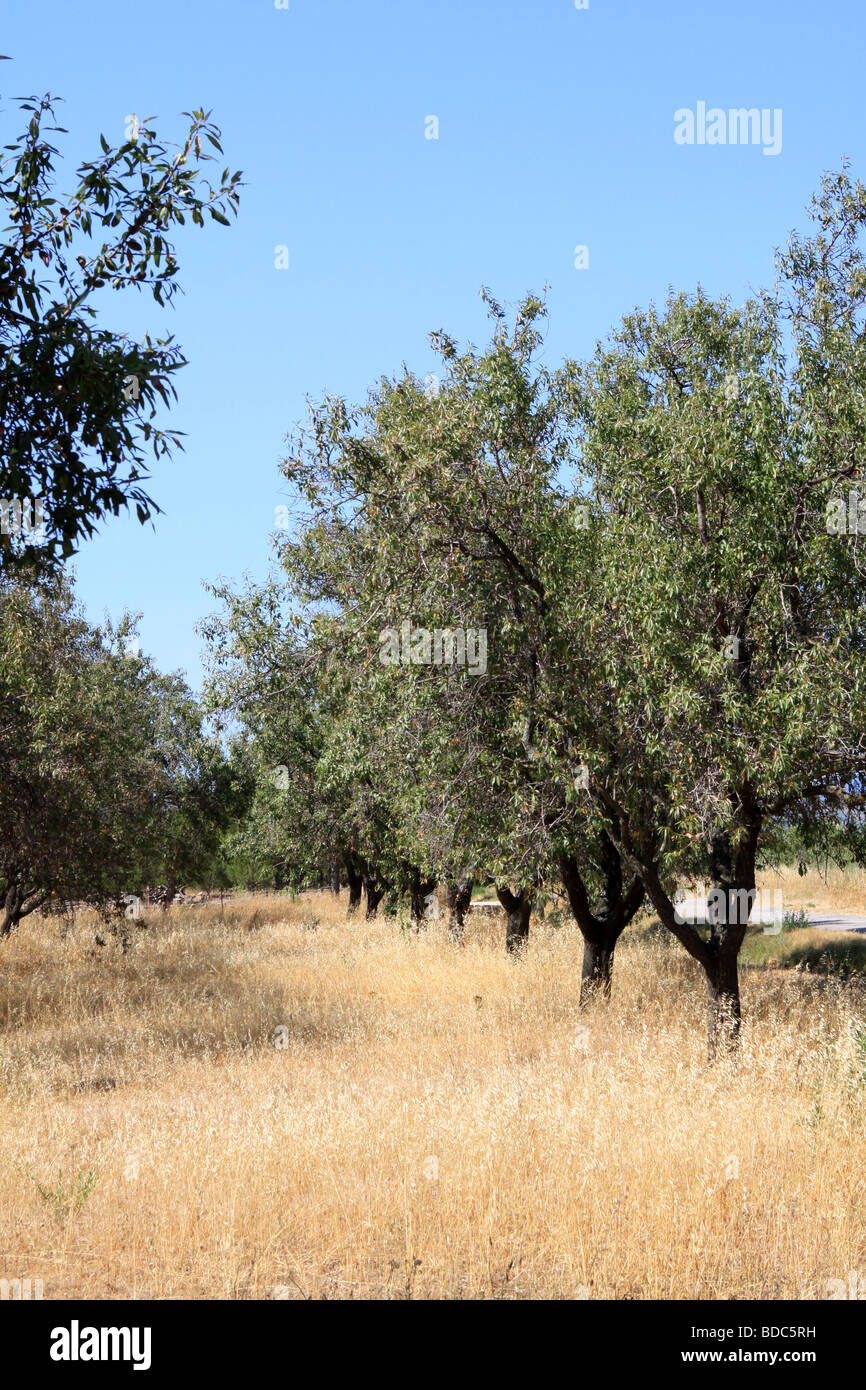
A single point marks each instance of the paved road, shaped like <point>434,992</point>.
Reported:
<point>695,910</point>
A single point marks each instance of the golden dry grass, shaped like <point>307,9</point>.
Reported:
<point>432,1122</point>
<point>833,890</point>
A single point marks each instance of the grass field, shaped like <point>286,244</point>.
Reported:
<point>280,1103</point>
<point>833,890</point>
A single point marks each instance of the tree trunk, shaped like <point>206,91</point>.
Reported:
<point>20,902</point>
<point>458,897</point>
<point>723,1005</point>
<point>375,893</point>
<point>733,875</point>
<point>12,905</point>
<point>419,890</point>
<point>597,968</point>
<point>717,957</point>
<point>601,929</point>
<point>733,878</point>
<point>170,891</point>
<point>517,906</point>
<point>334,880</point>
<point>356,883</point>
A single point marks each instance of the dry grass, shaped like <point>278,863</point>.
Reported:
<point>432,1122</point>
<point>833,890</point>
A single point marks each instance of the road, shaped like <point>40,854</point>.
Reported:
<point>695,910</point>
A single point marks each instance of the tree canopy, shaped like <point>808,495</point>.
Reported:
<point>674,660</point>
<point>80,402</point>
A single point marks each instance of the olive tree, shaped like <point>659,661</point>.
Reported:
<point>721,441</point>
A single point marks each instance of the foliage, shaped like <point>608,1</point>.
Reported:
<point>79,401</point>
<point>108,776</point>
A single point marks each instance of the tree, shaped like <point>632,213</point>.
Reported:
<point>106,773</point>
<point>741,662</point>
<point>270,684</point>
<point>205,791</point>
<point>78,402</point>
<point>446,509</point>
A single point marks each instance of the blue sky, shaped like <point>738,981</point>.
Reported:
<point>556,129</point>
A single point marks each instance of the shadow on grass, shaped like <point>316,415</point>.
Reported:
<point>825,953</point>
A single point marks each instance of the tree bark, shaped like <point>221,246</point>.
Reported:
<point>733,875</point>
<point>11,911</point>
<point>419,890</point>
<point>375,893</point>
<point>16,906</point>
<point>595,979</point>
<point>170,891</point>
<point>602,928</point>
<point>517,906</point>
<point>733,879</point>
<point>458,898</point>
<point>723,1005</point>
<point>356,883</point>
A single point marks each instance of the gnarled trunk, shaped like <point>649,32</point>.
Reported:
<point>419,890</point>
<point>458,898</point>
<point>723,1005</point>
<point>171,891</point>
<point>12,905</point>
<point>595,977</point>
<point>356,883</point>
<point>733,877</point>
<point>602,928</point>
<point>375,893</point>
<point>16,906</point>
<point>518,907</point>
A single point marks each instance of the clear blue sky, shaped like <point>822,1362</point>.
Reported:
<point>556,128</point>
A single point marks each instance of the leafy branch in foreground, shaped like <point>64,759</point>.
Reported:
<point>78,402</point>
